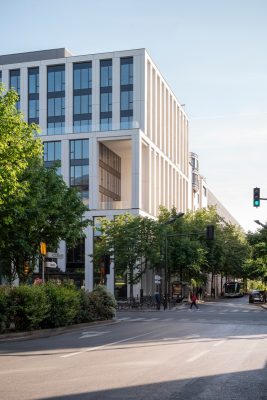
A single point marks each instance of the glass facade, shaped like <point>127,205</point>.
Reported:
<point>105,95</point>
<point>14,83</point>
<point>110,175</point>
<point>126,92</point>
<point>75,263</point>
<point>33,95</point>
<point>55,99</point>
<point>52,154</point>
<point>79,167</point>
<point>82,97</point>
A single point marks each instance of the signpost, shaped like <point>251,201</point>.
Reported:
<point>43,253</point>
<point>51,264</point>
<point>49,254</point>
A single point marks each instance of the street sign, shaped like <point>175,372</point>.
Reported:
<point>157,282</point>
<point>54,255</point>
<point>51,264</point>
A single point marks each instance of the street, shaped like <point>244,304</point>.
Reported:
<point>216,352</point>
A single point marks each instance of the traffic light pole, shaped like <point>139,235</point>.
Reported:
<point>43,269</point>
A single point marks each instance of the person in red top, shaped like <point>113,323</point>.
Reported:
<point>193,301</point>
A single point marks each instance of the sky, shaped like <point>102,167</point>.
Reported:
<point>213,55</point>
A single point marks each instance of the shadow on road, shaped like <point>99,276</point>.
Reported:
<point>246,385</point>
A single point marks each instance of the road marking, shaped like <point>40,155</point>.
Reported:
<point>92,334</point>
<point>153,319</point>
<point>218,343</point>
<point>198,356</point>
<point>106,345</point>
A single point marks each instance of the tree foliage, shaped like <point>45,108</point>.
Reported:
<point>17,146</point>
<point>49,212</point>
<point>137,243</point>
<point>36,204</point>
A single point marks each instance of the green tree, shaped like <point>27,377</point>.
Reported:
<point>17,146</point>
<point>49,212</point>
<point>132,243</point>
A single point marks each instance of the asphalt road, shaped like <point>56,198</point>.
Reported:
<point>218,352</point>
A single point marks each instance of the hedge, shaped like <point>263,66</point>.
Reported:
<point>52,305</point>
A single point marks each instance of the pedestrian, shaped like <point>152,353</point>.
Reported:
<point>157,298</point>
<point>193,301</point>
<point>200,291</point>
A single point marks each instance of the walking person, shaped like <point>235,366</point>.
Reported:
<point>193,301</point>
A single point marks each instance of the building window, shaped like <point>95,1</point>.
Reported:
<point>105,95</point>
<point>126,90</point>
<point>14,79</point>
<point>82,97</point>
<point>110,175</point>
<point>55,99</point>
<point>0,76</point>
<point>33,95</point>
<point>75,262</point>
<point>205,191</point>
<point>52,155</point>
<point>79,167</point>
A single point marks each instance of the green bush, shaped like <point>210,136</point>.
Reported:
<point>64,305</point>
<point>52,305</point>
<point>87,312</point>
<point>29,306</point>
<point>4,308</point>
<point>104,302</point>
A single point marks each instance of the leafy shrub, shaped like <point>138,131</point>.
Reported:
<point>52,305</point>
<point>104,303</point>
<point>29,306</point>
<point>64,305</point>
<point>87,312</point>
<point>4,308</point>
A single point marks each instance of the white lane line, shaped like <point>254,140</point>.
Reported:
<point>136,319</point>
<point>106,345</point>
<point>123,319</point>
<point>198,356</point>
<point>89,334</point>
<point>152,319</point>
<point>219,343</point>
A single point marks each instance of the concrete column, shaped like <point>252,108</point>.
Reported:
<point>65,161</point>
<point>88,264</point>
<point>93,174</point>
<point>69,98</point>
<point>43,98</point>
<point>5,78</point>
<point>24,92</point>
<point>111,279</point>
<point>61,262</point>
<point>136,170</point>
<point>95,95</point>
<point>116,93</point>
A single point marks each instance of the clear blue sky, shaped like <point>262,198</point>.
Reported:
<point>211,52</point>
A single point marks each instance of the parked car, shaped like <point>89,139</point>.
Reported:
<point>257,295</point>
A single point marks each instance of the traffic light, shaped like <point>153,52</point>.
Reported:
<point>210,232</point>
<point>26,268</point>
<point>256,197</point>
<point>43,248</point>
